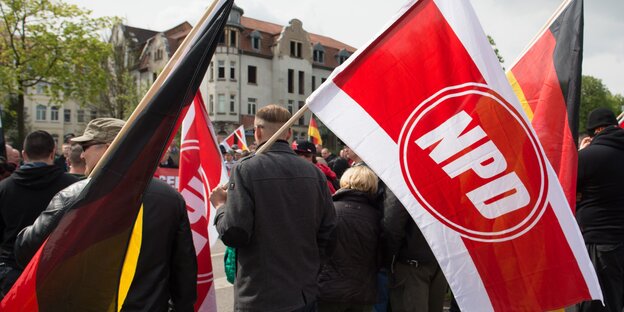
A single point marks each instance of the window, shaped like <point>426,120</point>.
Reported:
<point>158,55</point>
<point>291,83</point>
<point>232,70</point>
<point>211,104</point>
<point>41,112</point>
<point>318,55</point>
<point>154,76</point>
<point>67,115</point>
<point>80,116</point>
<point>221,69</point>
<point>232,103</point>
<point>301,82</point>
<point>251,74</point>
<point>323,80</point>
<point>93,114</point>
<point>211,70</point>
<point>342,56</point>
<point>222,38</point>
<point>233,37</point>
<point>221,103</point>
<point>251,106</point>
<point>295,49</point>
<point>255,40</point>
<point>302,119</point>
<point>290,106</point>
<point>54,114</point>
<point>313,83</point>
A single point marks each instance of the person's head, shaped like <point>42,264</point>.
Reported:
<point>66,149</point>
<point>165,156</point>
<point>238,154</point>
<point>67,138</point>
<point>96,139</point>
<point>350,154</point>
<point>252,147</point>
<point>13,156</point>
<point>359,178</point>
<point>319,148</point>
<point>305,149</point>
<point>75,160</point>
<point>268,120</point>
<point>599,119</point>
<point>228,156</point>
<point>325,153</point>
<point>39,146</point>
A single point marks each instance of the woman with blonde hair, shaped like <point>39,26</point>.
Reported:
<point>347,282</point>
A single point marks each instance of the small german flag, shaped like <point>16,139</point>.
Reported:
<point>547,81</point>
<point>313,132</point>
<point>79,266</point>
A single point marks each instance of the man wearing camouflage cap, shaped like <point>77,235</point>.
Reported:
<point>166,273</point>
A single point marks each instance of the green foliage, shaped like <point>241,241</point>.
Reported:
<point>51,44</point>
<point>595,94</point>
<point>493,44</point>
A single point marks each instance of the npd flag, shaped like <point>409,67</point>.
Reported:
<point>427,106</point>
<point>201,170</point>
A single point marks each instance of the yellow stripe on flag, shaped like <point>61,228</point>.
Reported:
<point>131,260</point>
<point>520,94</point>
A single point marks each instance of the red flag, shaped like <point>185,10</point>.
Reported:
<point>427,106</point>
<point>547,81</point>
<point>313,132</point>
<point>236,138</point>
<point>201,169</point>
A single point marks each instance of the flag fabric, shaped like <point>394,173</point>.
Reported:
<point>201,170</point>
<point>78,268</point>
<point>547,81</point>
<point>313,132</point>
<point>427,106</point>
<point>236,138</point>
<point>621,120</point>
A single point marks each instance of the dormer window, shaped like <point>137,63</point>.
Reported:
<point>342,56</point>
<point>318,54</point>
<point>255,40</point>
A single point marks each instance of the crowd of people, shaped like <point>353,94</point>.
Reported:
<point>313,231</point>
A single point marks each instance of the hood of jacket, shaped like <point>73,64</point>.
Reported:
<point>612,136</point>
<point>37,177</point>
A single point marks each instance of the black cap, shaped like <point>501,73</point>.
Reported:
<point>303,146</point>
<point>600,117</point>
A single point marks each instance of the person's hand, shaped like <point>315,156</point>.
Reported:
<point>218,196</point>
<point>584,142</point>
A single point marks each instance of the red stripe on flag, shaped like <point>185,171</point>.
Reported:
<point>536,76</point>
<point>407,81</point>
<point>27,299</point>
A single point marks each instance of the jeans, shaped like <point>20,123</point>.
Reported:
<point>608,260</point>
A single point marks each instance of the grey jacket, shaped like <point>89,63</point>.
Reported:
<point>279,214</point>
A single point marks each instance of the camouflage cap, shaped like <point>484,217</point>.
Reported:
<point>102,130</point>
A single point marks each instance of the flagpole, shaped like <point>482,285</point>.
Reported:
<point>281,130</point>
<point>158,83</point>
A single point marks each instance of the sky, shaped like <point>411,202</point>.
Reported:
<point>512,24</point>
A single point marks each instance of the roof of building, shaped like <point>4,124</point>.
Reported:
<point>142,35</point>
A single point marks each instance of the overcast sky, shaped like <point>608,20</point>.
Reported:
<point>511,23</point>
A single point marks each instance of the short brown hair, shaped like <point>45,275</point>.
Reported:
<point>274,114</point>
<point>360,178</point>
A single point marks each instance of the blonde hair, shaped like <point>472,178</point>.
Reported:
<point>359,178</point>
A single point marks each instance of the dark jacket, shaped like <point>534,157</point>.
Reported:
<point>23,196</point>
<point>600,182</point>
<point>338,165</point>
<point>350,275</point>
<point>280,216</point>
<point>167,265</point>
<point>403,239</point>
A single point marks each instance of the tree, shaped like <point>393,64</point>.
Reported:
<point>122,94</point>
<point>595,94</point>
<point>53,45</point>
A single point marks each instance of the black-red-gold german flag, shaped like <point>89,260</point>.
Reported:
<point>79,267</point>
<point>547,80</point>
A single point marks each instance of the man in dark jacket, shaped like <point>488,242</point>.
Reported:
<point>24,195</point>
<point>166,270</point>
<point>600,205</point>
<point>277,211</point>
<point>416,280</point>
